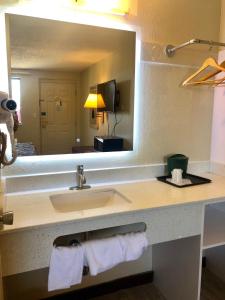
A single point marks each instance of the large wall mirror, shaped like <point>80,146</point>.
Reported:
<point>74,86</point>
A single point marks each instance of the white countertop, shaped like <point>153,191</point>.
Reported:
<point>35,209</point>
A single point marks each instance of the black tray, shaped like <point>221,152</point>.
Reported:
<point>196,180</point>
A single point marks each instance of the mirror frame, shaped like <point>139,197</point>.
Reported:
<point>95,20</point>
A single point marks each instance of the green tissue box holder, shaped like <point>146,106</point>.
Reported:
<point>177,161</point>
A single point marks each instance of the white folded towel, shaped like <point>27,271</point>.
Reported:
<point>66,267</point>
<point>103,254</point>
<point>133,245</point>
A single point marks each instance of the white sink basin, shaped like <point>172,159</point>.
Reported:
<point>83,200</point>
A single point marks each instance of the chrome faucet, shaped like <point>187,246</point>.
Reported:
<point>81,179</point>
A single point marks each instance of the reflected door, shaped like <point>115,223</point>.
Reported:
<point>58,116</point>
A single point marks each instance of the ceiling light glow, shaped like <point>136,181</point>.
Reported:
<point>119,7</point>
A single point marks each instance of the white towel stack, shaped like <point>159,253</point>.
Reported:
<point>133,245</point>
<point>66,265</point>
<point>104,254</point>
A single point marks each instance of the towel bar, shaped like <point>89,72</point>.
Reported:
<point>78,238</point>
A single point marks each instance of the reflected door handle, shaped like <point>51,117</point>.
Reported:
<point>6,218</point>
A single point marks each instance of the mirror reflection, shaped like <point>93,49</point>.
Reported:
<point>74,86</point>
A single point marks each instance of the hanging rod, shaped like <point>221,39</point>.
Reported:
<point>170,49</point>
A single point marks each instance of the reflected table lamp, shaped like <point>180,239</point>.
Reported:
<point>95,101</point>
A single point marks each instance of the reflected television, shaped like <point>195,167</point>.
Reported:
<point>110,95</point>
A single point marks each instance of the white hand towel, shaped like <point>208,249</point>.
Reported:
<point>133,245</point>
<point>66,267</point>
<point>103,254</point>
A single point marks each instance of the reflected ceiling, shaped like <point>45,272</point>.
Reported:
<point>57,47</point>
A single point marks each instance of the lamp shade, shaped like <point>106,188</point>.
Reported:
<point>94,101</point>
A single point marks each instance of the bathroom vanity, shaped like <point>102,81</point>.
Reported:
<point>182,225</point>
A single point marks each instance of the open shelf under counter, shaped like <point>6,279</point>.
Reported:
<point>214,225</point>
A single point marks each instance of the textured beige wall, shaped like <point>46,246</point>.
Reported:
<point>222,24</point>
<point>167,118</point>
<point>175,119</point>
<point>174,21</point>
<point>120,66</point>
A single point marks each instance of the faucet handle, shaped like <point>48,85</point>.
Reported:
<point>80,167</point>
<point>81,179</point>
